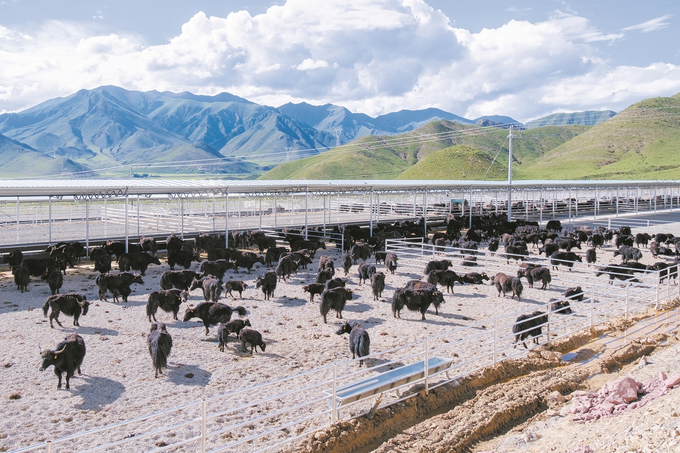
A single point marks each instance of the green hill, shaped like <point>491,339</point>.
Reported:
<point>389,157</point>
<point>640,142</point>
<point>468,163</point>
<point>589,118</point>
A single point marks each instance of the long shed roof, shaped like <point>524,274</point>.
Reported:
<point>85,187</point>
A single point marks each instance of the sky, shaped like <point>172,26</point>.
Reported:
<point>523,59</point>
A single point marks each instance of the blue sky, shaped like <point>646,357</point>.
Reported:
<point>524,59</point>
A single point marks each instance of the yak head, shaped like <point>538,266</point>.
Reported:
<point>85,305</point>
<point>196,283</point>
<point>189,314</point>
<point>438,298</point>
<point>346,328</point>
<point>153,259</point>
<point>50,357</point>
<point>157,326</point>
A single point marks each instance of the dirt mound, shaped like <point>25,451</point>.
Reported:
<point>457,416</point>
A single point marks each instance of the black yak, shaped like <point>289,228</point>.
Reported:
<point>71,304</point>
<point>529,325</point>
<point>252,337</point>
<point>416,300</point>
<point>235,326</point>
<point>334,299</point>
<point>66,357</point>
<point>212,313</point>
<point>160,345</point>
<point>359,341</point>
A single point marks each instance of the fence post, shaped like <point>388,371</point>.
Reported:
<point>658,284</point>
<point>48,446</point>
<point>647,226</point>
<point>495,338</point>
<point>486,261</point>
<point>427,369</point>
<point>627,296</point>
<point>204,425</point>
<point>592,307</point>
<point>548,326</point>
<point>334,415</point>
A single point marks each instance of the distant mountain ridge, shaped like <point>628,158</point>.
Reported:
<point>109,129</point>
<point>588,118</point>
<point>347,126</point>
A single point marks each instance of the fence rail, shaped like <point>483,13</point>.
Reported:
<point>294,407</point>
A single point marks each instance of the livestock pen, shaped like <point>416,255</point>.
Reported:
<point>298,405</point>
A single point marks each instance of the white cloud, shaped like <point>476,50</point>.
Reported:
<point>514,9</point>
<point>650,25</point>
<point>309,63</point>
<point>373,56</point>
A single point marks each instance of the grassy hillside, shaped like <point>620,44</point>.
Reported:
<point>589,118</point>
<point>640,142</point>
<point>457,162</point>
<point>388,157</point>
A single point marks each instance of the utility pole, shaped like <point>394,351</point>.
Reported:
<point>510,175</point>
<point>337,137</point>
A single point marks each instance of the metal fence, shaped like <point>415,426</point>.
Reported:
<point>46,220</point>
<point>270,415</point>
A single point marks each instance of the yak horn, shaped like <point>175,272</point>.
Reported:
<point>60,351</point>
<point>40,349</point>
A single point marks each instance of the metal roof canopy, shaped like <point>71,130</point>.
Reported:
<point>93,188</point>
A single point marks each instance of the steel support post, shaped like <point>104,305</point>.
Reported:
<point>226,219</point>
<point>87,228</point>
<point>126,224</point>
<point>306,211</point>
<point>18,223</point>
<point>49,220</point>
<point>138,235</point>
<point>370,228</point>
<point>181,217</point>
<point>470,222</point>
<point>378,202</point>
<point>415,214</point>
<point>425,212</point>
<point>323,212</point>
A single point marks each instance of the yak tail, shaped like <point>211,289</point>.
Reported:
<point>240,310</point>
<point>364,345</point>
<point>324,306</point>
<point>46,306</point>
<point>160,360</point>
<point>149,309</point>
<point>397,305</point>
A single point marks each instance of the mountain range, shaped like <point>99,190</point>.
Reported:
<point>640,142</point>
<point>105,131</point>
